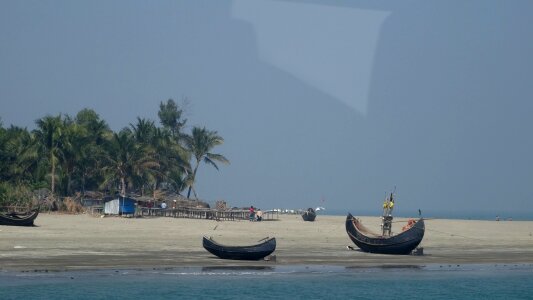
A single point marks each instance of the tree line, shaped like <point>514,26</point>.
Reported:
<point>70,155</point>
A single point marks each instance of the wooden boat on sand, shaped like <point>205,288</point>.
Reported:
<point>309,215</point>
<point>402,243</point>
<point>252,252</point>
<point>19,219</point>
<point>386,242</point>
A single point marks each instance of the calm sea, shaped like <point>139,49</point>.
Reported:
<point>462,215</point>
<point>286,282</point>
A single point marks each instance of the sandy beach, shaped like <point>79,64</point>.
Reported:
<point>74,242</point>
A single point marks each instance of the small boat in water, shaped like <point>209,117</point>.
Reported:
<point>253,252</point>
<point>19,219</point>
<point>386,242</point>
<point>309,215</point>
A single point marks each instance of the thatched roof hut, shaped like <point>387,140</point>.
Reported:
<point>181,201</point>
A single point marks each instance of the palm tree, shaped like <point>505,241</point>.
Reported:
<point>91,153</point>
<point>169,154</point>
<point>172,157</point>
<point>144,136</point>
<point>18,152</point>
<point>200,144</point>
<point>127,160</point>
<point>49,135</point>
<point>73,142</point>
<point>173,151</point>
<point>143,131</point>
<point>170,116</point>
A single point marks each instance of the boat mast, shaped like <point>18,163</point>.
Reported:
<point>386,219</point>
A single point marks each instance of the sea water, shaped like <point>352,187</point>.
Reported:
<point>283,282</point>
<point>431,214</point>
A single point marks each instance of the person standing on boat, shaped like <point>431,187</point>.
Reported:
<point>386,207</point>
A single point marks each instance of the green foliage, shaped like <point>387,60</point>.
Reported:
<point>71,155</point>
<point>200,144</point>
<point>10,194</point>
<point>170,116</point>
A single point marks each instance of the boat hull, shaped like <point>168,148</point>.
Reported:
<point>19,219</point>
<point>403,243</point>
<point>309,216</point>
<point>253,252</point>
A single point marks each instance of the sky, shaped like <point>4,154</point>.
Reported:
<point>321,103</point>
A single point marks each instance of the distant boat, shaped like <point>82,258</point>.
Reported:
<point>386,242</point>
<point>253,252</point>
<point>309,215</point>
<point>19,219</point>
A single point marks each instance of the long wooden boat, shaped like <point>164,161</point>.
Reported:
<point>402,243</point>
<point>253,252</point>
<point>19,219</point>
<point>309,215</point>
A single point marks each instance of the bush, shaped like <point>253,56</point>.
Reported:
<point>72,206</point>
<point>15,195</point>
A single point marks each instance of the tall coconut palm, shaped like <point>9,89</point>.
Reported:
<point>143,135</point>
<point>177,157</point>
<point>173,159</point>
<point>200,144</point>
<point>96,135</point>
<point>72,143</point>
<point>19,156</point>
<point>143,131</point>
<point>126,159</point>
<point>49,134</point>
<point>96,129</point>
<point>3,151</point>
<point>170,116</point>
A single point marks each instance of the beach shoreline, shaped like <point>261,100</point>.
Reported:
<point>278,269</point>
<point>84,242</point>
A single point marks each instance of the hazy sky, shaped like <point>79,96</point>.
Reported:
<point>329,103</point>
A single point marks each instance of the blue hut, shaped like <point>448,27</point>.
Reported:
<point>120,206</point>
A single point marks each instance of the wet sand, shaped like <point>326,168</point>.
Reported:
<point>74,242</point>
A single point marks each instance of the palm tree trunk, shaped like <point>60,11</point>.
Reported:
<point>123,186</point>
<point>193,178</point>
<point>83,183</point>
<point>53,174</point>
<point>194,192</point>
<point>69,183</point>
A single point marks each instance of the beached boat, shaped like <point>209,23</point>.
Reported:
<point>253,252</point>
<point>402,243</point>
<point>309,215</point>
<point>386,242</point>
<point>19,219</point>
